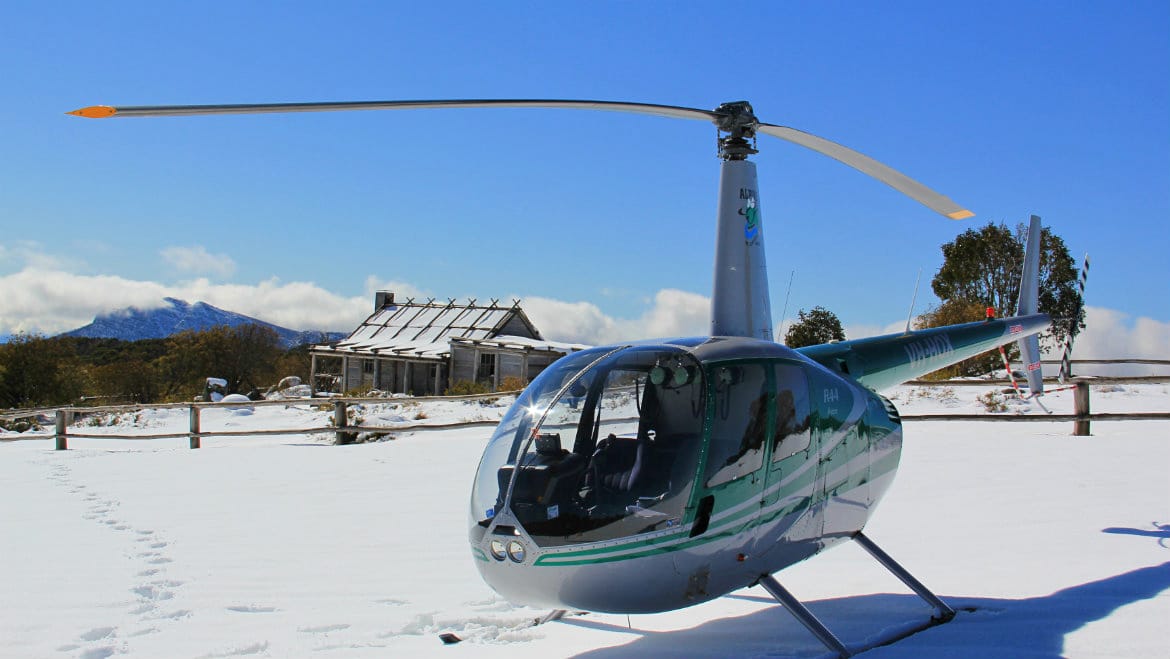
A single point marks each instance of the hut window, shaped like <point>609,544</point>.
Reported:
<point>487,367</point>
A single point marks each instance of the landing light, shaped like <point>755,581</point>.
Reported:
<point>497,549</point>
<point>515,551</point>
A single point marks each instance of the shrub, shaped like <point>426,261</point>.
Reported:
<point>512,383</point>
<point>993,401</point>
<point>467,388</point>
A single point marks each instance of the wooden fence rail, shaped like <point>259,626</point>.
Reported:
<point>328,401</point>
<point>346,433</point>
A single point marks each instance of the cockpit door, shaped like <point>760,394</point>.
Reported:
<point>794,473</point>
<point>733,470</point>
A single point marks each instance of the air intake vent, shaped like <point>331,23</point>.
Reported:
<point>891,411</point>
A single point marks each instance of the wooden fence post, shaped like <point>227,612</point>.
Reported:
<point>195,438</point>
<point>1081,408</point>
<point>339,421</point>
<point>61,431</point>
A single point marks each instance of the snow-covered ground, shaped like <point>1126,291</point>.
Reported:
<point>287,546</point>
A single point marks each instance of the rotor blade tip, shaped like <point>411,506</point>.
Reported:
<point>961,214</point>
<point>94,112</point>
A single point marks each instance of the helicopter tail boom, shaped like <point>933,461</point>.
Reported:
<point>881,362</point>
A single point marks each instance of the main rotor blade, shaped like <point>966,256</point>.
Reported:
<point>672,111</point>
<point>863,163</point>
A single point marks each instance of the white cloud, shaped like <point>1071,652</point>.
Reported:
<point>574,322</point>
<point>1111,334</point>
<point>53,301</point>
<point>196,260</point>
<point>672,313</point>
<point>295,305</point>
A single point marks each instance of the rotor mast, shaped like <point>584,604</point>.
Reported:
<point>740,302</point>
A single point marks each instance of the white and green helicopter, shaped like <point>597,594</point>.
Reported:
<point>652,476</point>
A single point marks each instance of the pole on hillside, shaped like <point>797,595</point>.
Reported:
<point>195,438</point>
<point>1081,408</point>
<point>61,429</point>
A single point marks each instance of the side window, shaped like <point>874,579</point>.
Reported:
<point>792,412</point>
<point>740,422</point>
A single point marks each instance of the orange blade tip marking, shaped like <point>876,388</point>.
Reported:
<point>961,215</point>
<point>95,112</point>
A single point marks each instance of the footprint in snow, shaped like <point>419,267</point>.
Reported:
<point>254,648</point>
<point>323,629</point>
<point>98,633</point>
<point>252,608</point>
<point>152,593</point>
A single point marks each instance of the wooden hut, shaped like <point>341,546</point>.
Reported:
<point>422,348</point>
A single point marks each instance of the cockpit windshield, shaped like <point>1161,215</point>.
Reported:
<point>603,444</point>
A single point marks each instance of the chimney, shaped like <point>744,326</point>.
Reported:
<point>383,299</point>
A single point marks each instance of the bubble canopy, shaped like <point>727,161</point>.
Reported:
<point>602,444</point>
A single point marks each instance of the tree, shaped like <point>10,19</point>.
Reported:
<point>37,371</point>
<point>813,328</point>
<point>244,355</point>
<point>983,267</point>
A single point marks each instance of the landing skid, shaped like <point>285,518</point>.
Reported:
<point>551,616</point>
<point>942,612</point>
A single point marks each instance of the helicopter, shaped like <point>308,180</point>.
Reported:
<point>655,475</point>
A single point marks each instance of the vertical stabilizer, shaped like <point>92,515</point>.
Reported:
<point>1029,304</point>
<point>740,305</point>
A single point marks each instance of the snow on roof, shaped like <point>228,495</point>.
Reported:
<point>424,330</point>
<point>523,342</point>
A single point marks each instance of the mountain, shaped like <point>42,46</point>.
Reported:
<point>132,323</point>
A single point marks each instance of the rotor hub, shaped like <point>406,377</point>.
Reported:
<point>739,122</point>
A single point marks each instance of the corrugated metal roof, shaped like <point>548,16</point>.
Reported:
<point>423,330</point>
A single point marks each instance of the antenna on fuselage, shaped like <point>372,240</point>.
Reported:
<point>784,313</point>
<point>913,300</point>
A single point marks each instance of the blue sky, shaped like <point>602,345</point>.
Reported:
<point>1059,109</point>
